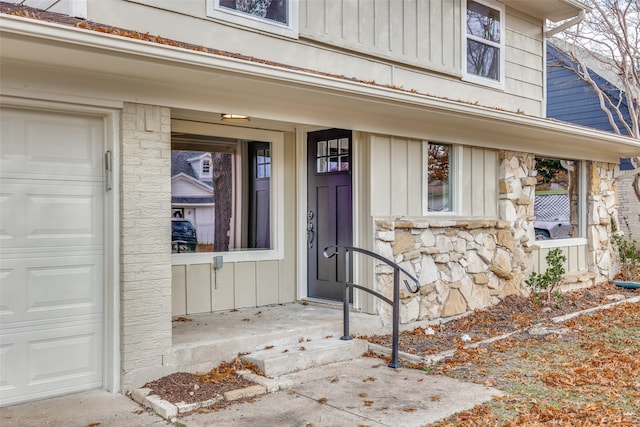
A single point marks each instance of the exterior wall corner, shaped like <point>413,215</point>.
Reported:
<point>145,264</point>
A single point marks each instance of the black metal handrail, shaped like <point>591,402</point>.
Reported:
<point>395,302</point>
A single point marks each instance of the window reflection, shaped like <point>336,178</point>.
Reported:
<point>557,199</point>
<point>273,10</point>
<point>333,156</point>
<point>438,182</point>
<point>220,194</point>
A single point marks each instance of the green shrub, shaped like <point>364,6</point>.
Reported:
<point>550,280</point>
<point>628,252</point>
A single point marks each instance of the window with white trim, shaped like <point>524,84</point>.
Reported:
<point>559,199</point>
<point>439,170</point>
<point>274,16</point>
<point>484,42</point>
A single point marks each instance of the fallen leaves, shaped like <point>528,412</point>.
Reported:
<point>588,377</point>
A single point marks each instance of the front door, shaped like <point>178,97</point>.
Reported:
<point>329,210</point>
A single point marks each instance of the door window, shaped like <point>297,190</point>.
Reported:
<point>333,155</point>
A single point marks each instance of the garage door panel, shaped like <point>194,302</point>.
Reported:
<point>50,288</point>
<point>10,296</point>
<point>52,214</point>
<point>64,359</point>
<point>63,288</point>
<point>45,144</point>
<point>75,353</point>
<point>7,204</point>
<point>9,366</point>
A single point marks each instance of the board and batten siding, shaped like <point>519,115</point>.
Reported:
<point>426,33</point>
<point>198,288</point>
<point>397,178</point>
<point>576,258</point>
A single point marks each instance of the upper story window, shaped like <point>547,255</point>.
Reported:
<point>484,42</point>
<point>275,16</point>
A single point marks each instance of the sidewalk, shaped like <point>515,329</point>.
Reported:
<point>360,392</point>
<point>96,408</point>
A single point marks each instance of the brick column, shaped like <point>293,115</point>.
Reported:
<point>145,242</point>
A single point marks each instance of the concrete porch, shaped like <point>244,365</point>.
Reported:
<point>208,339</point>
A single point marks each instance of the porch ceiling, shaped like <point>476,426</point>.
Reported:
<point>48,60</point>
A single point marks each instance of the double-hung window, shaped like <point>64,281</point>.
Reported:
<point>484,36</point>
<point>274,16</point>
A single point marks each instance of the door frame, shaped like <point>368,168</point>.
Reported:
<point>109,112</point>
<point>301,208</point>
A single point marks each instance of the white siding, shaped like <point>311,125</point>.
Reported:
<point>411,45</point>
<point>397,178</point>
<point>576,258</point>
<point>198,288</point>
<point>426,33</point>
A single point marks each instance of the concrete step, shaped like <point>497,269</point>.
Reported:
<point>286,359</point>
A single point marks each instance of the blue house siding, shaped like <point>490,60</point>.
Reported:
<point>572,100</point>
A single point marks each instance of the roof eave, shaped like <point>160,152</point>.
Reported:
<point>271,89</point>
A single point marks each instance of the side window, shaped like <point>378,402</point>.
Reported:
<point>274,16</point>
<point>558,199</point>
<point>439,172</point>
<point>484,37</point>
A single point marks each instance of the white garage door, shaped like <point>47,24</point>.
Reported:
<point>51,254</point>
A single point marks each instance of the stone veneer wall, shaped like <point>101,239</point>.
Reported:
<point>145,243</point>
<point>464,264</point>
<point>468,264</point>
<point>602,201</point>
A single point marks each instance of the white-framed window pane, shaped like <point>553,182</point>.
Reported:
<point>483,60</point>
<point>557,199</point>
<point>439,178</point>
<point>322,165</point>
<point>322,148</point>
<point>483,21</point>
<point>272,10</point>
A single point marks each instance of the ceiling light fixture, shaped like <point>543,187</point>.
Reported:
<point>234,118</point>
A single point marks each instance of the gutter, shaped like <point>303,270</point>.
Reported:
<point>109,44</point>
<point>570,23</point>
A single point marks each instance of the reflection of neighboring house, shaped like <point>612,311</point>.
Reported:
<point>192,191</point>
<point>573,100</point>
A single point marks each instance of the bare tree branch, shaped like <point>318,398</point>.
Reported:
<point>607,42</point>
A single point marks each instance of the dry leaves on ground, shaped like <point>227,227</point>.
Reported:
<point>587,377</point>
<point>511,314</point>
<point>200,387</point>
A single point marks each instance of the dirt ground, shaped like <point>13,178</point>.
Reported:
<point>511,314</point>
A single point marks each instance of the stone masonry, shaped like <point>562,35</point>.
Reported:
<point>464,264</point>
<point>145,264</point>
<point>467,264</point>
<point>602,211</point>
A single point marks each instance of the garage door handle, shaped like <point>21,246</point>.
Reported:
<point>108,170</point>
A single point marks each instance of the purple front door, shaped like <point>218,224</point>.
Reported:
<point>329,209</point>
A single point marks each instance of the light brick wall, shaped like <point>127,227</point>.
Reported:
<point>145,243</point>
<point>629,208</point>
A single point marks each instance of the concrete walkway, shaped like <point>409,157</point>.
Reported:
<point>96,408</point>
<point>360,392</point>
